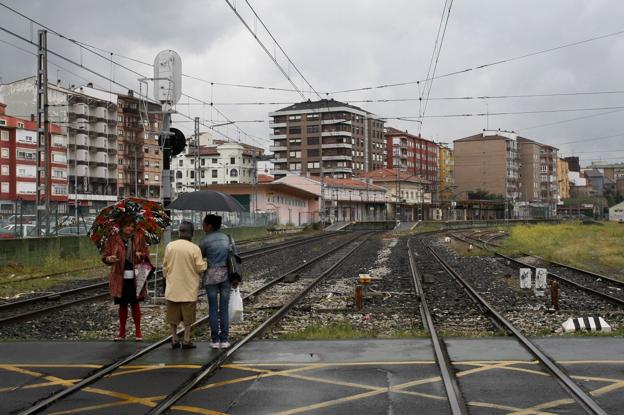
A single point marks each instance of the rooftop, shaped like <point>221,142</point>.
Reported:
<point>352,183</point>
<point>391,175</point>
<point>320,104</point>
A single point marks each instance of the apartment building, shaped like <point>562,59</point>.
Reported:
<point>346,139</point>
<point>513,167</point>
<point>89,125</point>
<point>18,163</point>
<point>563,176</point>
<point>487,161</point>
<point>414,155</point>
<point>445,173</point>
<point>139,159</point>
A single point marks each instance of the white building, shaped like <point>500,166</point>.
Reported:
<point>90,127</point>
<point>220,162</point>
<point>616,212</point>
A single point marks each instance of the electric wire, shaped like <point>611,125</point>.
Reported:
<point>486,65</point>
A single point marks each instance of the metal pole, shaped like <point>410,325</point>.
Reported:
<point>166,172</point>
<point>42,201</point>
<point>197,182</point>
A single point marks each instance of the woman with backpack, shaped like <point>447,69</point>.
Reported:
<point>215,247</point>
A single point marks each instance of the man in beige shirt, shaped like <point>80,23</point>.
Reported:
<point>182,266</point>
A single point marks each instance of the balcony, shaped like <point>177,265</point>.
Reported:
<point>336,121</point>
<point>337,157</point>
<point>336,134</point>
<point>277,136</point>
<point>338,145</point>
<point>279,160</point>
<point>279,172</point>
<point>277,124</point>
<point>80,171</point>
<point>338,170</point>
<point>278,148</point>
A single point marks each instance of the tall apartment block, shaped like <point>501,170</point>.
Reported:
<point>18,164</point>
<point>139,160</point>
<point>346,139</point>
<point>487,161</point>
<point>445,172</point>
<point>89,124</point>
<point>508,165</point>
<point>415,155</point>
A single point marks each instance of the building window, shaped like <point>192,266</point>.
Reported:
<point>215,173</point>
<point>120,162</point>
<point>59,190</point>
<point>233,173</point>
<point>294,130</point>
<point>146,149</point>
<point>295,142</point>
<point>180,162</point>
<point>5,153</point>
<point>203,162</point>
<point>178,174</point>
<point>192,174</point>
<point>312,129</point>
<point>147,164</point>
<point>156,151</point>
<point>215,161</point>
<point>232,160</point>
<point>312,116</point>
<point>295,154</point>
<point>2,122</point>
<point>294,118</point>
<point>4,170</point>
<point>4,135</point>
<point>146,177</point>
<point>156,178</point>
<point>22,154</point>
<point>4,187</point>
<point>157,164</point>
<point>203,174</point>
<point>313,141</point>
<point>20,125</point>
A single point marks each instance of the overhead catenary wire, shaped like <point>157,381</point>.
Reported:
<point>435,53</point>
<point>263,46</point>
<point>486,65</point>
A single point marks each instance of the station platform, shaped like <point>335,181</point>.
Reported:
<point>496,376</point>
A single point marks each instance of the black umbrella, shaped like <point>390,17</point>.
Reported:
<point>206,201</point>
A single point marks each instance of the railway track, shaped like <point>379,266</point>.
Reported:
<point>24,310</point>
<point>601,286</point>
<point>457,404</point>
<point>335,256</point>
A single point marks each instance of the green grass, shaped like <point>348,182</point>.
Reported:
<point>342,331</point>
<point>593,247</point>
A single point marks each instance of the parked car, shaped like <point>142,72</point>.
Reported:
<point>28,230</point>
<point>71,230</point>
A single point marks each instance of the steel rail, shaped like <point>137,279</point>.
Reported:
<point>53,274</point>
<point>102,372</point>
<point>212,366</point>
<point>604,296</point>
<point>252,253</point>
<point>451,385</point>
<point>582,397</point>
<point>581,270</point>
<point>51,296</point>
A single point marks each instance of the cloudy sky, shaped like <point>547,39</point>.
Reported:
<point>340,44</point>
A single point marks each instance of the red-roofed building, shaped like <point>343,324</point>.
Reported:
<point>18,161</point>
<point>265,178</point>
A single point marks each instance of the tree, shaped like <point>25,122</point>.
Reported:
<point>482,194</point>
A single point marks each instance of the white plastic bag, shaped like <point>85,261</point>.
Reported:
<point>235,308</point>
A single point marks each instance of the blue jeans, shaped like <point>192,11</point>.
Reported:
<point>218,310</point>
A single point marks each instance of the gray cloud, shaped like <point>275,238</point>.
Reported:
<point>347,44</point>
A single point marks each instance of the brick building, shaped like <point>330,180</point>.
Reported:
<point>18,162</point>
<point>414,155</point>
<point>347,138</point>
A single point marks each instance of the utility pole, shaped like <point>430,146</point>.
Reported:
<point>43,135</point>
<point>197,181</point>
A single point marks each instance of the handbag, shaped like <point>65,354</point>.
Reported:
<point>233,262</point>
<point>141,273</point>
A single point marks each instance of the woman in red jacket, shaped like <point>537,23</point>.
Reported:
<point>123,252</point>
